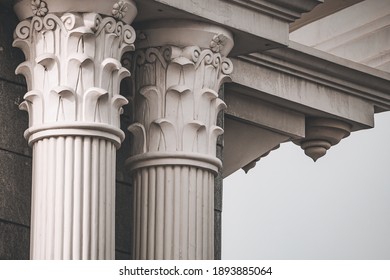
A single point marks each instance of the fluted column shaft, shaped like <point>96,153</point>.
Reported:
<point>73,73</point>
<point>73,198</point>
<point>174,145</point>
<point>173,213</point>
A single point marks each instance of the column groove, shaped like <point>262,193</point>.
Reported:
<point>173,221</point>
<point>62,223</point>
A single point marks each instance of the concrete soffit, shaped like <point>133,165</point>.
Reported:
<point>286,10</point>
<point>327,8</point>
<point>359,33</point>
<point>299,83</point>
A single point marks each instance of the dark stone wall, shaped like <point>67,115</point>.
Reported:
<point>15,155</point>
<point>218,187</point>
<point>124,189</point>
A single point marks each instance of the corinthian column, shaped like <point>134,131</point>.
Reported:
<point>178,69</point>
<point>73,74</point>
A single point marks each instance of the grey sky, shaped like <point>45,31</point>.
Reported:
<point>289,207</point>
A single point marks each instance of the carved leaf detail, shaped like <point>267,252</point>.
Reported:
<point>108,67</point>
<point>215,131</point>
<point>139,133</point>
<point>163,136</point>
<point>153,105</point>
<point>193,138</point>
<point>35,106</point>
<point>177,102</point>
<point>92,111</point>
<point>61,106</point>
<point>117,102</point>
<point>25,69</point>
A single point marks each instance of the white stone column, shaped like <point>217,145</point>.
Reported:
<point>73,73</point>
<point>178,68</point>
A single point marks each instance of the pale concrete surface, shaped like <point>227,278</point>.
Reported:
<point>360,33</point>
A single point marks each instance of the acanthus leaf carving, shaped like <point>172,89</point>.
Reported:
<point>26,106</point>
<point>182,61</point>
<point>118,101</point>
<point>153,104</point>
<point>192,136</point>
<point>25,69</point>
<point>108,68</point>
<point>61,106</point>
<point>215,131</point>
<point>163,136</point>
<point>92,111</point>
<point>34,103</point>
<point>139,133</point>
<point>178,104</point>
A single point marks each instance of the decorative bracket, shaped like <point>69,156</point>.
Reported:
<point>321,134</point>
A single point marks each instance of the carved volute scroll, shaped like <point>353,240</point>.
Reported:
<point>73,69</point>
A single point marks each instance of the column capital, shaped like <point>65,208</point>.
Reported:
<point>178,69</point>
<point>72,66</point>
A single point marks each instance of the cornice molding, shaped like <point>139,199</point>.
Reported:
<point>304,62</point>
<point>282,9</point>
